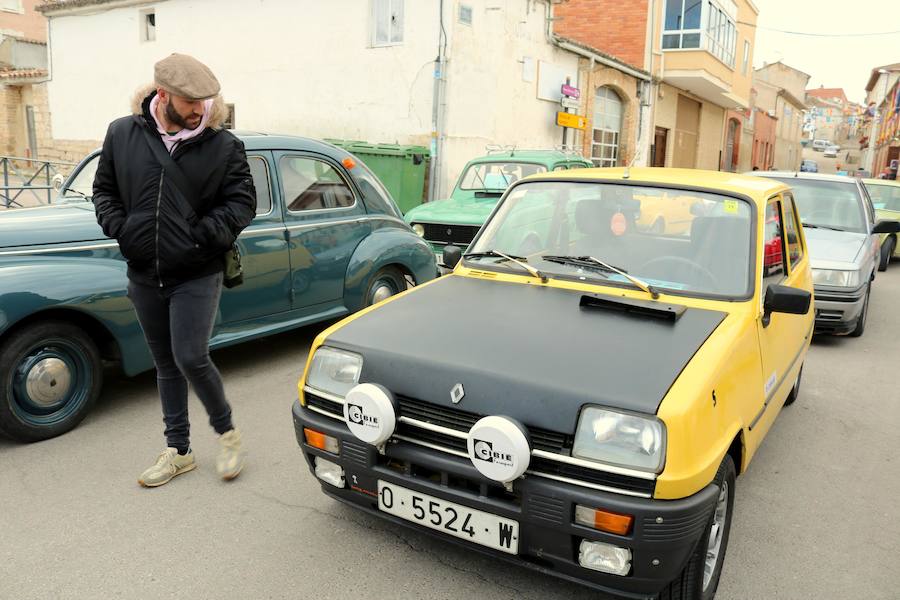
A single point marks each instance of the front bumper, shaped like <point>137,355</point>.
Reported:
<point>838,312</point>
<point>665,532</point>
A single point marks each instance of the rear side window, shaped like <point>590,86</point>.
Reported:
<point>312,184</point>
<point>259,169</point>
<point>774,266</point>
<point>795,248</point>
<point>376,197</point>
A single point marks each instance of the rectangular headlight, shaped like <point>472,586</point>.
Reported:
<point>621,439</point>
<point>835,278</point>
<point>334,371</point>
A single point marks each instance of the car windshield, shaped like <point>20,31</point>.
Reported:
<point>828,204</point>
<point>884,197</point>
<point>82,187</point>
<point>687,242</point>
<point>497,176</point>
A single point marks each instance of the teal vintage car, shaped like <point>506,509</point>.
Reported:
<point>327,240</point>
<point>885,194</point>
<point>457,219</point>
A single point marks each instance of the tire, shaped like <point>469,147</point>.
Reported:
<point>384,284</point>
<point>861,323</point>
<point>795,391</point>
<point>50,376</point>
<point>887,251</point>
<point>693,584</point>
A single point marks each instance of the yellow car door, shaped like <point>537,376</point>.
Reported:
<point>782,337</point>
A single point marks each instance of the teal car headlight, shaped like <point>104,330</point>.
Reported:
<point>334,371</point>
<point>621,439</point>
<point>835,278</point>
<point>419,229</point>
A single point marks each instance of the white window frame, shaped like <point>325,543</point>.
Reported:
<point>597,147</point>
<point>18,8</point>
<point>393,8</point>
<point>148,35</point>
<point>721,43</point>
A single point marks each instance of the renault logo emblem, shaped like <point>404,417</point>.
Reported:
<point>457,393</point>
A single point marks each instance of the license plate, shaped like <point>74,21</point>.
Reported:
<point>451,518</point>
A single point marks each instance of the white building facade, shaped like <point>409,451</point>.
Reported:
<point>349,69</point>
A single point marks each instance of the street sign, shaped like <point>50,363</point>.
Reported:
<point>564,119</point>
<point>572,103</point>
<point>571,92</point>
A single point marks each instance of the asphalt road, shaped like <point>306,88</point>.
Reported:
<point>816,515</point>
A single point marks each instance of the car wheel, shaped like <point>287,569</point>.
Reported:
<point>861,323</point>
<point>700,577</point>
<point>50,376</point>
<point>795,391</point>
<point>887,251</point>
<point>385,283</point>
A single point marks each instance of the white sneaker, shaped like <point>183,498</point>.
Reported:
<point>231,457</point>
<point>168,465</point>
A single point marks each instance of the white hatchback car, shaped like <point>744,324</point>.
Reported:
<point>832,151</point>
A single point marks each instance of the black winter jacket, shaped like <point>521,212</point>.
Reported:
<point>167,238</point>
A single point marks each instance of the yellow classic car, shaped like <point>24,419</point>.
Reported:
<point>885,195</point>
<point>580,393</point>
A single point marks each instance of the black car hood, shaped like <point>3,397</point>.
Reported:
<point>526,351</point>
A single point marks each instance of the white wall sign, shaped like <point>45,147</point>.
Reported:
<point>551,78</point>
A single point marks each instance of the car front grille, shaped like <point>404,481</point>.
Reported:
<point>459,235</point>
<point>462,421</point>
<point>444,428</point>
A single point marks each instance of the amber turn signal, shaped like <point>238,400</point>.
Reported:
<point>321,441</point>
<point>604,520</point>
<point>348,163</point>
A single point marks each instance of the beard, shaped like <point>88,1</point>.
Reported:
<point>175,118</point>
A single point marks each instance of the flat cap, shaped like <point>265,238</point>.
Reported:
<point>186,76</point>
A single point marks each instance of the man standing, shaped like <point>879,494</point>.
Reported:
<point>175,191</point>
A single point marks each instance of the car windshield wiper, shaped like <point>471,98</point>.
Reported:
<point>519,260</point>
<point>589,262</point>
<point>817,226</point>
<point>77,194</point>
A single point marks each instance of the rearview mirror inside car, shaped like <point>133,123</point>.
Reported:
<point>886,227</point>
<point>452,256</point>
<point>785,299</point>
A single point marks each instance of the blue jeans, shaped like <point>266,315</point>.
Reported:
<point>177,323</point>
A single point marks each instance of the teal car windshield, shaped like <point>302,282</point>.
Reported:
<point>497,176</point>
<point>82,187</point>
<point>884,197</point>
<point>556,226</point>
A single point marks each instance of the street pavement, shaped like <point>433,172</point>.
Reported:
<point>816,515</point>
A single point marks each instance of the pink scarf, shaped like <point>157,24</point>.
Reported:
<point>185,134</point>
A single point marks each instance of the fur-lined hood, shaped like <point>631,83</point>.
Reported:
<point>216,117</point>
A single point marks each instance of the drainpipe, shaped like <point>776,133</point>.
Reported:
<point>438,109</point>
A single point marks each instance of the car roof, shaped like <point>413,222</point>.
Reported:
<point>541,156</point>
<point>890,182</point>
<point>263,141</point>
<point>805,175</point>
<point>707,180</point>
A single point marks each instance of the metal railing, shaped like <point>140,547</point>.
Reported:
<point>36,185</point>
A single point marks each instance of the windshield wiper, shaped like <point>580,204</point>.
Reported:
<point>589,262</point>
<point>78,193</point>
<point>816,226</point>
<point>519,260</point>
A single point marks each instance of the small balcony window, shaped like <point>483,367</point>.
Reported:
<point>701,25</point>
<point>683,24</point>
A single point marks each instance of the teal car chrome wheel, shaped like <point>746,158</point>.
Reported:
<point>51,374</point>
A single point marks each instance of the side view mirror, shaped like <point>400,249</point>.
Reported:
<point>784,299</point>
<point>57,181</point>
<point>887,227</point>
<point>452,256</point>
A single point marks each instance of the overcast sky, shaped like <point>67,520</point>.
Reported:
<point>844,62</point>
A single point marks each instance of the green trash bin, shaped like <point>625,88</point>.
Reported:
<point>402,169</point>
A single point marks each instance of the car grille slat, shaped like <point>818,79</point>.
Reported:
<point>322,404</point>
<point>460,235</point>
<point>604,478</point>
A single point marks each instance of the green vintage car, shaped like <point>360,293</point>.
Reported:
<point>457,219</point>
<point>885,194</point>
<point>327,241</point>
